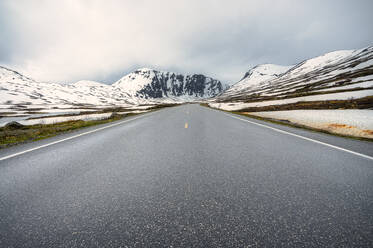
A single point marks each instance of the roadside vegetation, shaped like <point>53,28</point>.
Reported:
<point>255,97</point>
<point>360,103</point>
<point>14,133</point>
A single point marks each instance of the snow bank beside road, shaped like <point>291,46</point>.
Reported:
<point>53,120</point>
<point>352,122</point>
<point>235,106</point>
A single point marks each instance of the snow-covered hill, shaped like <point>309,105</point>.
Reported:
<point>255,76</point>
<point>143,86</point>
<point>16,88</point>
<point>147,84</point>
<point>89,83</point>
<point>338,75</point>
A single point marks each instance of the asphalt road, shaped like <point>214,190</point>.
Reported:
<point>187,176</point>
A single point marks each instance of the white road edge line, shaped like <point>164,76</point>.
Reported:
<point>72,137</point>
<point>301,137</point>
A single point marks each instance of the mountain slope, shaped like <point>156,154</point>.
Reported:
<point>144,86</point>
<point>16,88</point>
<point>146,83</point>
<point>255,76</point>
<point>349,71</point>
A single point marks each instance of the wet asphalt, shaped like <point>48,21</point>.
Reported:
<point>187,176</point>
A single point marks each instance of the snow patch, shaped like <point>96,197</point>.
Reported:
<point>353,122</point>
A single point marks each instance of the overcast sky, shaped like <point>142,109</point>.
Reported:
<point>70,40</point>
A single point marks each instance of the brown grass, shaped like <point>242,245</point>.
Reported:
<point>361,103</point>
<point>336,125</point>
<point>369,132</point>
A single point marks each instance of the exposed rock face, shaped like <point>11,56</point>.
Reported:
<point>147,83</point>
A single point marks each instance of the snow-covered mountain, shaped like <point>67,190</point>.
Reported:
<point>336,75</point>
<point>147,83</point>
<point>339,71</point>
<point>89,83</point>
<point>257,75</point>
<point>143,86</point>
<point>16,88</point>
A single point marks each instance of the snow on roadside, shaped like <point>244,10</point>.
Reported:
<point>132,112</point>
<point>67,110</point>
<point>233,106</point>
<point>52,120</point>
<point>353,122</point>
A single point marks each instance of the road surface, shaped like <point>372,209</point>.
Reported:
<point>187,176</point>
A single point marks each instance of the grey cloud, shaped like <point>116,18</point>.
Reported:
<point>102,40</point>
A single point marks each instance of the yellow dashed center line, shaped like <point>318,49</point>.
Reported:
<point>186,125</point>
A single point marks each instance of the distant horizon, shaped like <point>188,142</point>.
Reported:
<point>161,70</point>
